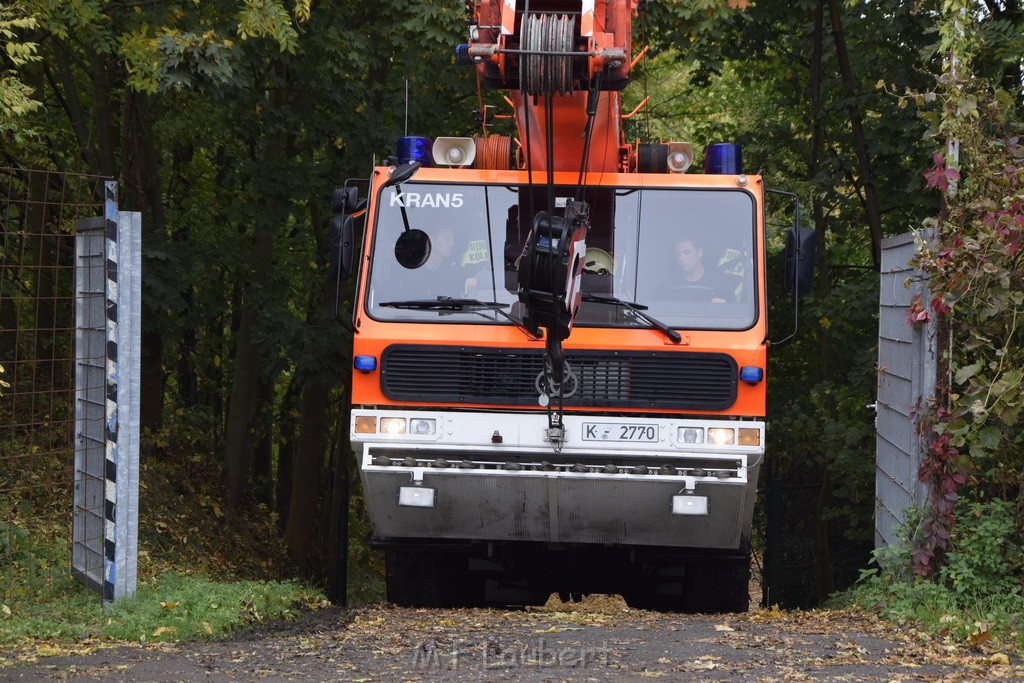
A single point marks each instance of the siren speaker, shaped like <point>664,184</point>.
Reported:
<point>454,151</point>
<point>680,156</point>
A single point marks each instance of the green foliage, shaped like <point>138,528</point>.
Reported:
<point>365,564</point>
<point>270,19</point>
<point>977,595</point>
<point>16,98</point>
<point>34,569</point>
<point>986,557</point>
<point>975,273</point>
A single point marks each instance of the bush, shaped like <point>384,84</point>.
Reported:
<point>977,597</point>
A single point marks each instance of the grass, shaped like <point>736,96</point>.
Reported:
<point>175,607</point>
<point>200,576</point>
<point>41,600</point>
<point>169,607</point>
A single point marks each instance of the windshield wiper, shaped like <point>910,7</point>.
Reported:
<point>638,310</point>
<point>447,303</point>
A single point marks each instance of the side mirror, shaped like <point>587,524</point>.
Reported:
<point>798,276</point>
<point>412,248</point>
<point>402,173</point>
<point>343,199</point>
<point>342,246</point>
<point>799,255</point>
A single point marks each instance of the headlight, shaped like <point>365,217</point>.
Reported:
<point>690,435</point>
<point>422,425</point>
<point>392,425</point>
<point>721,436</point>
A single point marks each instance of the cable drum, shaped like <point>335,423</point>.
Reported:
<point>547,74</point>
<point>494,152</point>
<point>652,158</point>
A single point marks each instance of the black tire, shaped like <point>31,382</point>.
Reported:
<point>717,586</point>
<point>650,600</point>
<point>712,586</point>
<point>427,578</point>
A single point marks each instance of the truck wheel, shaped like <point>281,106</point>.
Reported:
<point>707,587</point>
<point>426,578</point>
<point>717,586</point>
<point>652,601</point>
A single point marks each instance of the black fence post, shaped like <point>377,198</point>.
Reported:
<point>773,541</point>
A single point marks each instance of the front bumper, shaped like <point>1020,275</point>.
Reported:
<point>597,489</point>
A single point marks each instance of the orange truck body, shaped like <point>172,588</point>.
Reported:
<point>487,481</point>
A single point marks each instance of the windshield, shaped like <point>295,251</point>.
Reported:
<point>685,254</point>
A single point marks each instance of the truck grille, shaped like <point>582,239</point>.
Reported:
<point>655,379</point>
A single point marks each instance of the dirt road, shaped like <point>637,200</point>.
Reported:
<point>597,640</point>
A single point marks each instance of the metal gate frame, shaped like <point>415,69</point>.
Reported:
<point>108,317</point>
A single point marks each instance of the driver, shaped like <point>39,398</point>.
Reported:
<point>705,283</point>
<point>450,272</point>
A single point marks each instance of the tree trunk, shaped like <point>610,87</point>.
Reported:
<point>267,221</point>
<point>859,141</point>
<point>41,261</point>
<point>142,192</point>
<point>307,483</point>
<point>286,451</point>
<point>263,470</point>
<point>823,555</point>
<point>242,406</point>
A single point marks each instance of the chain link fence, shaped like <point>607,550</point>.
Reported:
<point>38,267</point>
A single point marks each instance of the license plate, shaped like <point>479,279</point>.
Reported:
<point>619,431</point>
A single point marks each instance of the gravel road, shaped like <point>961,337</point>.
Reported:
<point>599,639</point>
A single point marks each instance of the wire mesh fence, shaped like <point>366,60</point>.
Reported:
<point>38,267</point>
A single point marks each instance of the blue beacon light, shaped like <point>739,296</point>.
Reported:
<point>723,158</point>
<point>751,374</point>
<point>365,363</point>
<point>415,148</point>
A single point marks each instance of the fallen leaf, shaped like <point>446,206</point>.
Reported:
<point>999,658</point>
<point>980,635</point>
<point>704,663</point>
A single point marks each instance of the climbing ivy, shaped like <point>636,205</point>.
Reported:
<point>976,277</point>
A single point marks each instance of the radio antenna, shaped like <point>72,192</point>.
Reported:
<point>407,107</point>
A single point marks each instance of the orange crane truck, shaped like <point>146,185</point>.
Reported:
<point>559,339</point>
